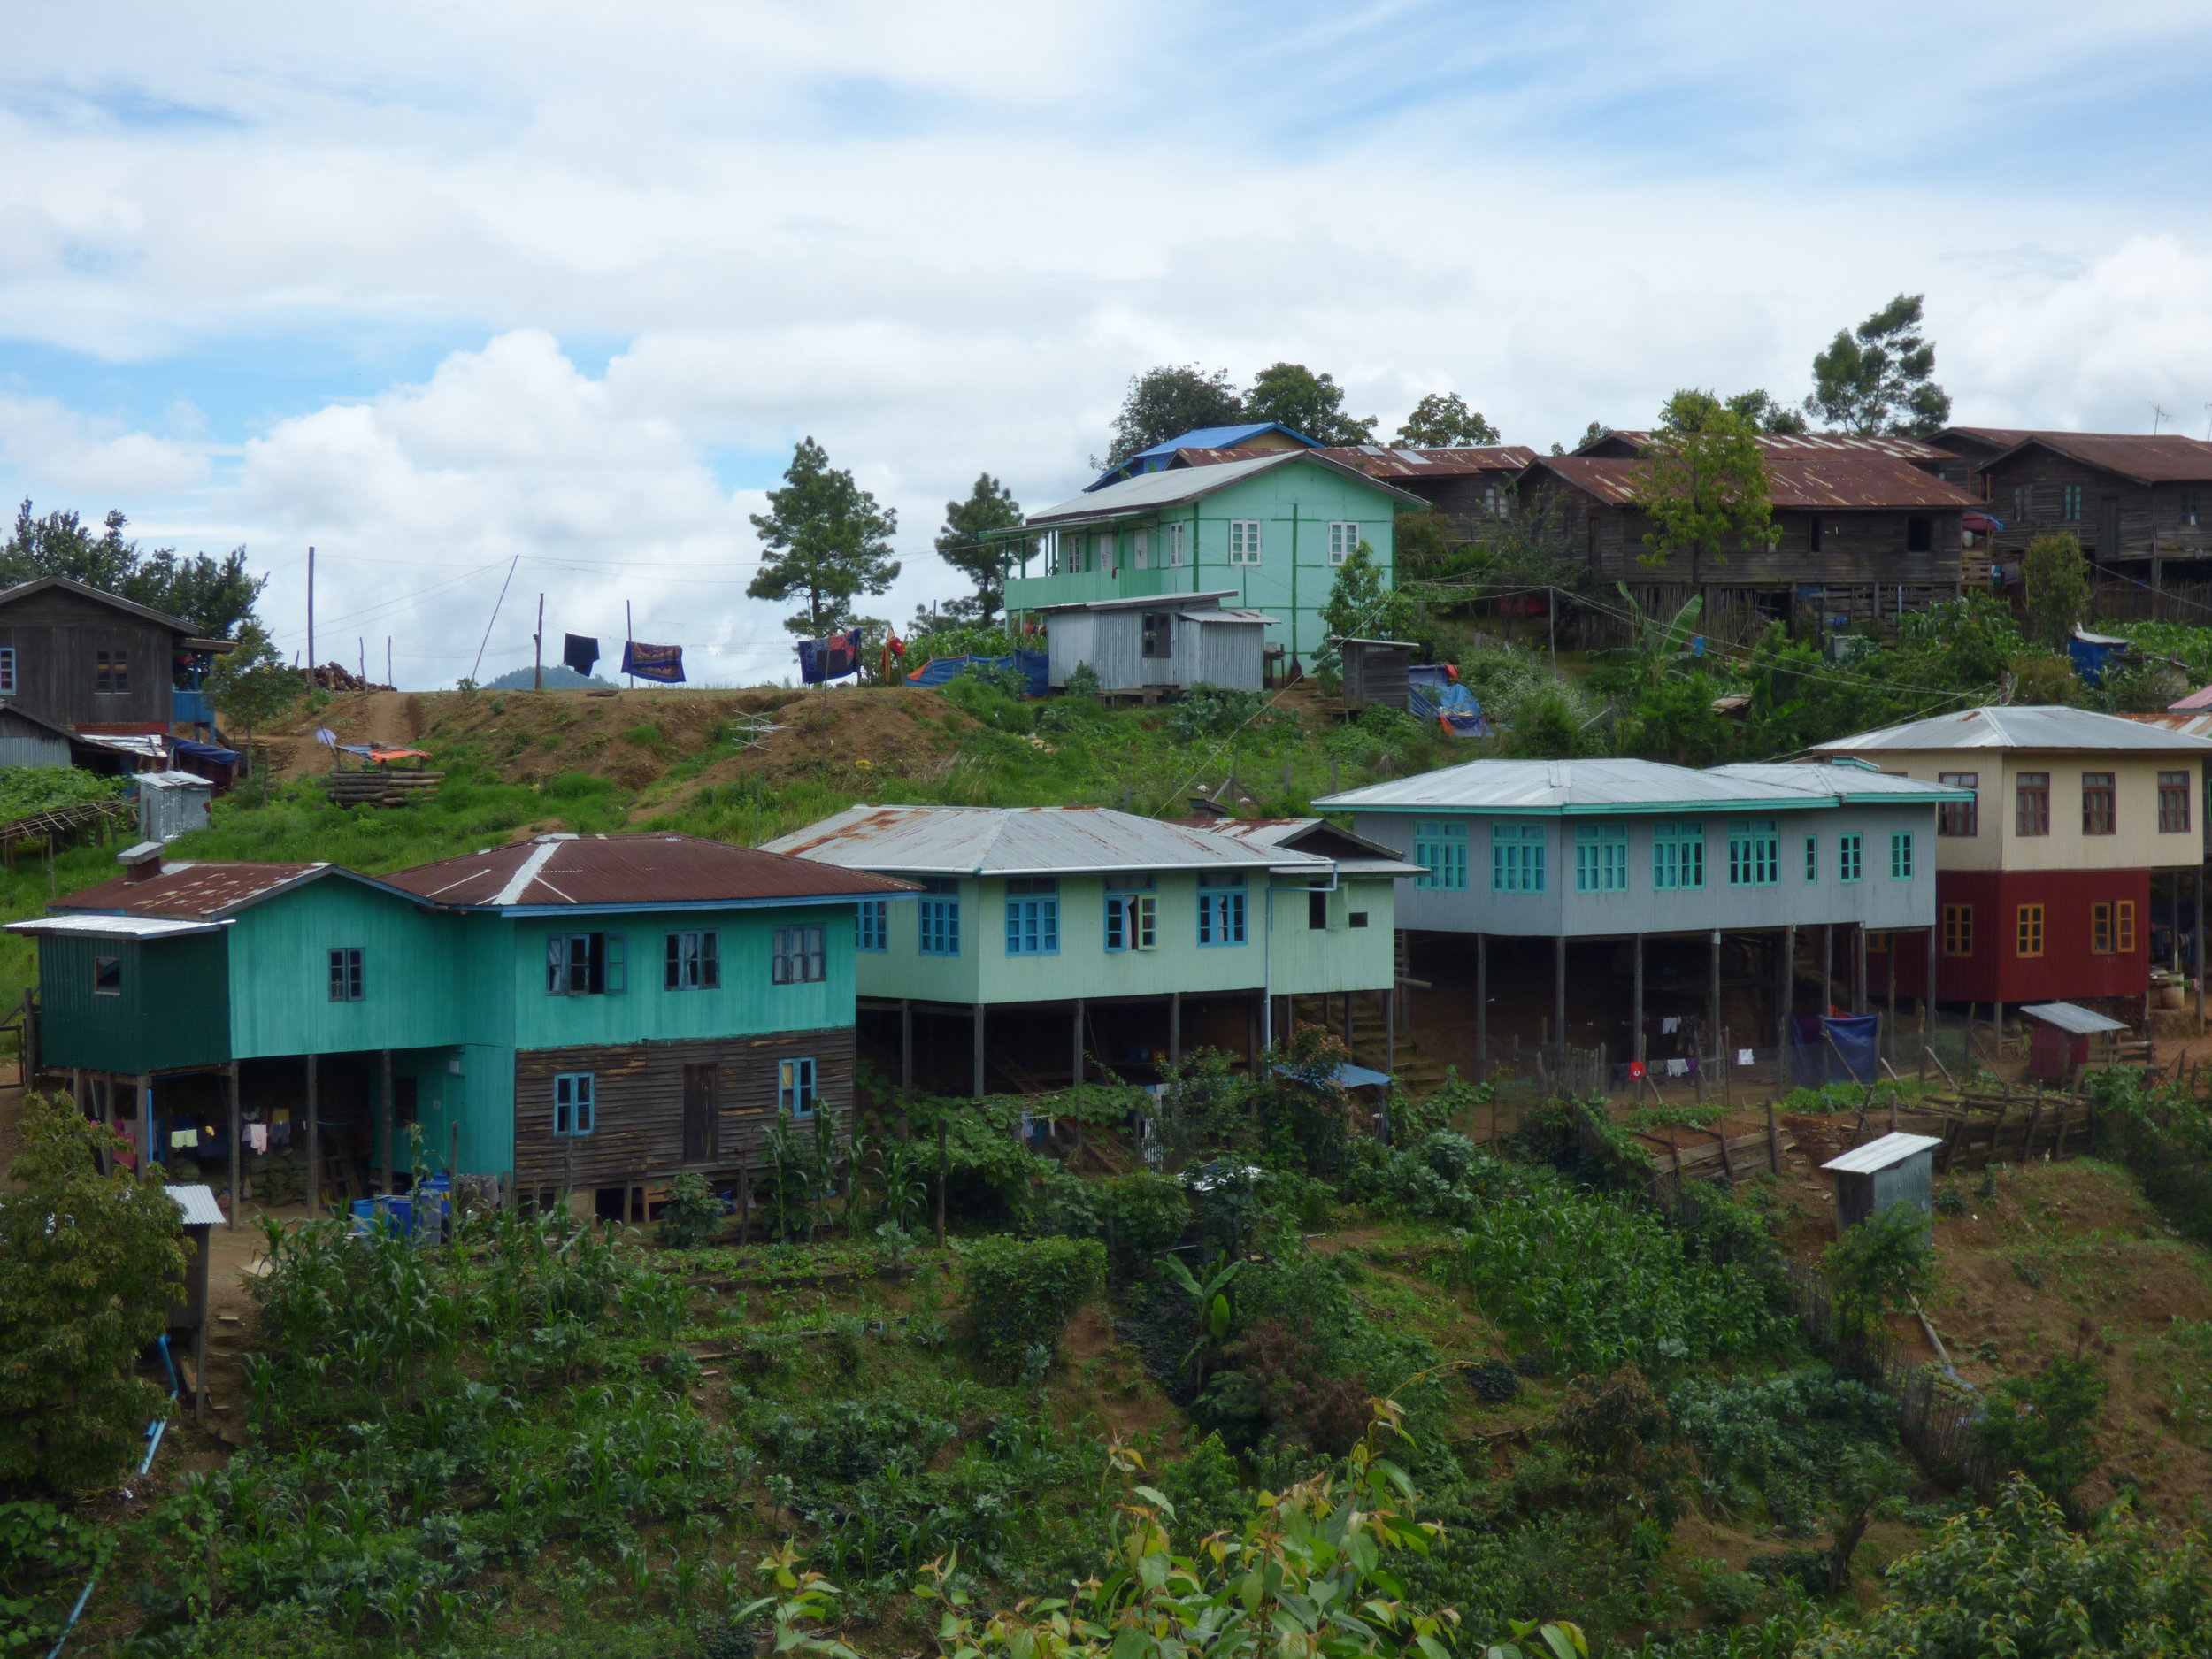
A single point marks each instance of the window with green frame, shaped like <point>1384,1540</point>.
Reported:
<point>1440,847</point>
<point>1850,856</point>
<point>1517,858</point>
<point>1755,853</point>
<point>1901,856</point>
<point>1812,858</point>
<point>1678,854</point>
<point>1601,857</point>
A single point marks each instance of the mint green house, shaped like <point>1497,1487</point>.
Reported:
<point>1045,938</point>
<point>1265,531</point>
<point>581,1012</point>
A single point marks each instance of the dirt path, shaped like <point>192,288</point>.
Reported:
<point>392,717</point>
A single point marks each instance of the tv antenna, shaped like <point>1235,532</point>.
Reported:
<point>2157,415</point>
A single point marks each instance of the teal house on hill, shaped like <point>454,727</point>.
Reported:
<point>587,1012</point>
<point>1267,529</point>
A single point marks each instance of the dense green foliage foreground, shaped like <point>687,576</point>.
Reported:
<point>1133,1414</point>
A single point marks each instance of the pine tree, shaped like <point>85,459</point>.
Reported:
<point>827,543</point>
<point>1168,400</point>
<point>967,546</point>
<point>1876,381</point>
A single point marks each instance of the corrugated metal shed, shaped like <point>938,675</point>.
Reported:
<point>1894,1169</point>
<point>1571,786</point>
<point>2070,1017</point>
<point>2028,727</point>
<point>989,840</point>
<point>171,803</point>
<point>1153,490</point>
<point>27,740</point>
<point>583,871</point>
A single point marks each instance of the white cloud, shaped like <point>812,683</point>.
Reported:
<point>63,450</point>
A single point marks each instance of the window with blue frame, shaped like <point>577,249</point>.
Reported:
<point>691,962</point>
<point>1033,916</point>
<point>1850,856</point>
<point>938,916</point>
<point>1901,856</point>
<point>799,956</point>
<point>1601,857</point>
<point>575,1103</point>
<point>1755,853</point>
<point>1516,858</point>
<point>346,985</point>
<point>872,926</point>
<point>1132,913</point>
<point>1812,858</point>
<point>1221,910</point>
<point>795,1087</point>
<point>1440,847</point>
<point>1678,854</point>
<point>586,964</point>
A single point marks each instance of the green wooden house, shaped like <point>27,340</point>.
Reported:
<point>581,1012</point>
<point>1049,939</point>
<point>1268,528</point>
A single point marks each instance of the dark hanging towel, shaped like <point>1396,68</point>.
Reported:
<point>579,653</point>
<point>832,658</point>
<point>654,662</point>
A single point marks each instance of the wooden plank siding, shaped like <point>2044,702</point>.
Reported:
<point>640,1104</point>
<point>56,634</point>
<point>2120,519</point>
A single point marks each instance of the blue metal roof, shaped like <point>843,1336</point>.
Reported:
<point>1159,455</point>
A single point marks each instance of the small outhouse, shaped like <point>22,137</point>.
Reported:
<point>2058,1044</point>
<point>198,1212</point>
<point>172,802</point>
<point>1892,1169</point>
<point>1375,671</point>
<point>1159,644</point>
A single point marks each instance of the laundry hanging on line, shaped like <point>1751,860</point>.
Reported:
<point>578,653</point>
<point>258,1137</point>
<point>831,658</point>
<point>663,663</point>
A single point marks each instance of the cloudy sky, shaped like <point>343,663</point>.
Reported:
<point>434,286</point>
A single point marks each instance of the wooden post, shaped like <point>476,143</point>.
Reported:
<point>1559,993</point>
<point>1858,967</point>
<point>385,1106</point>
<point>1774,1142</point>
<point>2196,948</point>
<point>1348,1021</point>
<point>1928,998</point>
<point>1075,1063</point>
<point>314,1142</point>
<point>1175,1028</point>
<point>744,1197</point>
<point>236,1190</point>
<point>1889,960</point>
<point>975,1012</point>
<point>1827,967</point>
<point>1712,1018</point>
<point>1786,1000</point>
<point>942,1165</point>
<point>1727,1078</point>
<point>1482,1015</point>
<point>2035,1116</point>
<point>1636,1004</point>
<point>1390,1031</point>
<point>906,1042</point>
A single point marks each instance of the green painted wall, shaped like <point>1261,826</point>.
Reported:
<point>173,1009</point>
<point>748,1001</point>
<point>479,1096</point>
<point>1295,505</point>
<point>279,955</point>
<point>1340,958</point>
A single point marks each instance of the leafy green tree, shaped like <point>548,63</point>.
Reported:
<point>1361,605</point>
<point>965,543</point>
<point>1880,1266</point>
<point>827,542</point>
<point>1876,380</point>
<point>2043,1427</point>
<point>1421,544</point>
<point>215,595</point>
<point>1166,401</point>
<point>251,684</point>
<point>1702,478</point>
<point>1311,404</point>
<point>89,1264</point>
<point>1441,420</point>
<point>2014,1579</point>
<point>2057,573</point>
<point>1767,415</point>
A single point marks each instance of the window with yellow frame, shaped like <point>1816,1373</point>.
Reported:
<point>2112,928</point>
<point>2123,928</point>
<point>1958,929</point>
<point>2028,930</point>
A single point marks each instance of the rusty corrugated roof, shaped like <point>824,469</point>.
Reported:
<point>195,891</point>
<point>2164,458</point>
<point>645,868</point>
<point>1379,461</point>
<point>1845,478</point>
<point>1778,444</point>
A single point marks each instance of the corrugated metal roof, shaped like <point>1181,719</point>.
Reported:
<point>1839,479</point>
<point>2167,457</point>
<point>1171,488</point>
<point>644,869</point>
<point>2030,727</point>
<point>2192,724</point>
<point>111,927</point>
<point>1218,614</point>
<point>1368,858</point>
<point>1141,601</point>
<point>1572,787</point>
<point>170,780</point>
<point>1882,1153</point>
<point>2069,1016</point>
<point>990,841</point>
<point>1376,461</point>
<point>197,1205</point>
<point>1846,783</point>
<point>1778,444</point>
<point>199,891</point>
<point>2197,701</point>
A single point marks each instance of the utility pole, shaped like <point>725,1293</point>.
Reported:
<point>537,649</point>
<point>387,663</point>
<point>361,644</point>
<point>628,629</point>
<point>310,612</point>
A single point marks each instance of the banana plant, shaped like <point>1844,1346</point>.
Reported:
<point>1209,1303</point>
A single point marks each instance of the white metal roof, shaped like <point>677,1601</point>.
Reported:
<point>1156,600</point>
<point>989,840</point>
<point>2029,728</point>
<point>1374,859</point>
<point>1883,1153</point>
<point>2071,1017</point>
<point>170,780</point>
<point>1847,783</point>
<point>91,925</point>
<point>198,1204</point>
<point>1217,615</point>
<point>1575,787</point>
<point>1177,485</point>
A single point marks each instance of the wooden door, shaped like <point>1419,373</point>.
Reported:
<point>699,1089</point>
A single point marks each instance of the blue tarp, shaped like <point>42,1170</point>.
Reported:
<point>185,750</point>
<point>1452,706</point>
<point>1033,666</point>
<point>1815,1060</point>
<point>1349,1076</point>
